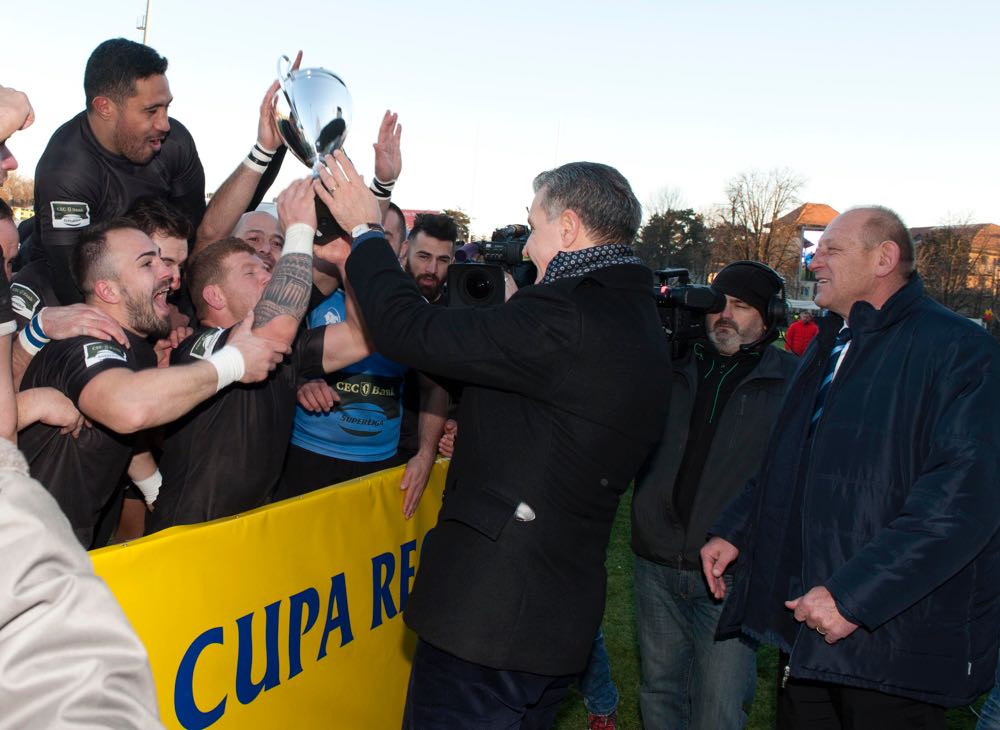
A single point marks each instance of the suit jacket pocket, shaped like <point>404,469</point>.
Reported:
<point>482,509</point>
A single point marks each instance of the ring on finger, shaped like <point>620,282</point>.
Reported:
<point>820,631</point>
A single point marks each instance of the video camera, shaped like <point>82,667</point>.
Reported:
<point>683,307</point>
<point>473,283</point>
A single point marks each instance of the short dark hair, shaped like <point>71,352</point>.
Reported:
<point>153,215</point>
<point>884,224</point>
<point>114,66</point>
<point>398,211</point>
<point>598,193</point>
<point>209,267</point>
<point>5,211</point>
<point>90,255</point>
<point>436,225</point>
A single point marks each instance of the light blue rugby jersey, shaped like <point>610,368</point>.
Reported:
<point>364,426</point>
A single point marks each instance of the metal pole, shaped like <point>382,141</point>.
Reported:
<point>145,24</point>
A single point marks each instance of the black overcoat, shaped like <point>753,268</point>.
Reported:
<point>566,389</point>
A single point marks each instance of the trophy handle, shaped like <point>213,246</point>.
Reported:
<point>284,70</point>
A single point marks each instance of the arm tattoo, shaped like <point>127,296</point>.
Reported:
<point>288,291</point>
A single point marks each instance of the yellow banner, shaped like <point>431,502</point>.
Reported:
<point>287,616</point>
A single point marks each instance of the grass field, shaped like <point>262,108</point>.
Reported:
<point>620,636</point>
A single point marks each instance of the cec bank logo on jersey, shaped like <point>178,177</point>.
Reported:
<point>95,352</point>
<point>23,300</point>
<point>70,215</point>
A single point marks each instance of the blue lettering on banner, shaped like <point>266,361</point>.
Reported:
<point>304,612</point>
<point>383,571</point>
<point>310,599</point>
<point>406,571</point>
<point>246,689</point>
<point>191,717</point>
<point>383,568</point>
<point>188,714</point>
<point>342,621</point>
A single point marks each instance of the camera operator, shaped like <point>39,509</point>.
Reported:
<point>725,396</point>
<point>565,395</point>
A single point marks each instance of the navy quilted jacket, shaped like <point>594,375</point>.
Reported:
<point>894,506</point>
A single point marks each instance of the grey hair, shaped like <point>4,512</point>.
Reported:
<point>598,193</point>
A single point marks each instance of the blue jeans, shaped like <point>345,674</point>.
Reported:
<point>689,680</point>
<point>600,695</point>
<point>989,715</point>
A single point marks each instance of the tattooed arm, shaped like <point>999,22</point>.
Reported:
<point>286,296</point>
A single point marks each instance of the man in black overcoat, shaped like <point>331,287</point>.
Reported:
<point>565,393</point>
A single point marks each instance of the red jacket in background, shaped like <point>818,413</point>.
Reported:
<point>799,335</point>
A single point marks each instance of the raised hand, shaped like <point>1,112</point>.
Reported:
<point>345,194</point>
<point>388,159</point>
<point>297,204</point>
<point>267,125</point>
<point>15,112</point>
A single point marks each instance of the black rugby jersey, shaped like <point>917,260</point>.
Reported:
<point>225,456</point>
<point>30,291</point>
<point>81,473</point>
<point>79,183</point>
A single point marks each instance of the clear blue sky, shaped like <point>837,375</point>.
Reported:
<point>889,102</point>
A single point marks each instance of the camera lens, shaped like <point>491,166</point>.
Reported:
<point>478,287</point>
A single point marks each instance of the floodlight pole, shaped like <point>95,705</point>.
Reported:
<point>144,26</point>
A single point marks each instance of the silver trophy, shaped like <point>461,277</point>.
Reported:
<point>313,112</point>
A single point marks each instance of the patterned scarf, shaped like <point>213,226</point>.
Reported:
<point>577,263</point>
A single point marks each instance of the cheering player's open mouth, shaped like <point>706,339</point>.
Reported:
<point>160,300</point>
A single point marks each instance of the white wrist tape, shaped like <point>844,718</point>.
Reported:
<point>259,158</point>
<point>33,337</point>
<point>150,486</point>
<point>299,239</point>
<point>382,189</point>
<point>228,363</point>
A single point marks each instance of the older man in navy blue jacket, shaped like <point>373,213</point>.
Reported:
<point>867,546</point>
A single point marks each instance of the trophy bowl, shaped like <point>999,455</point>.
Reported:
<point>313,112</point>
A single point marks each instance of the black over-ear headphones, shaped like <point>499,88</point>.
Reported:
<point>777,305</point>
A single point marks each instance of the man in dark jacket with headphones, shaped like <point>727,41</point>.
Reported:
<point>867,546</point>
<point>724,399</point>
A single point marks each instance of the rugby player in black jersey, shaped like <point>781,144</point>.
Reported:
<point>122,147</point>
<point>250,425</point>
<point>118,389</point>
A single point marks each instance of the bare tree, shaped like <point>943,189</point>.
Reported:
<point>958,263</point>
<point>746,226</point>
<point>18,190</point>
<point>665,199</point>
